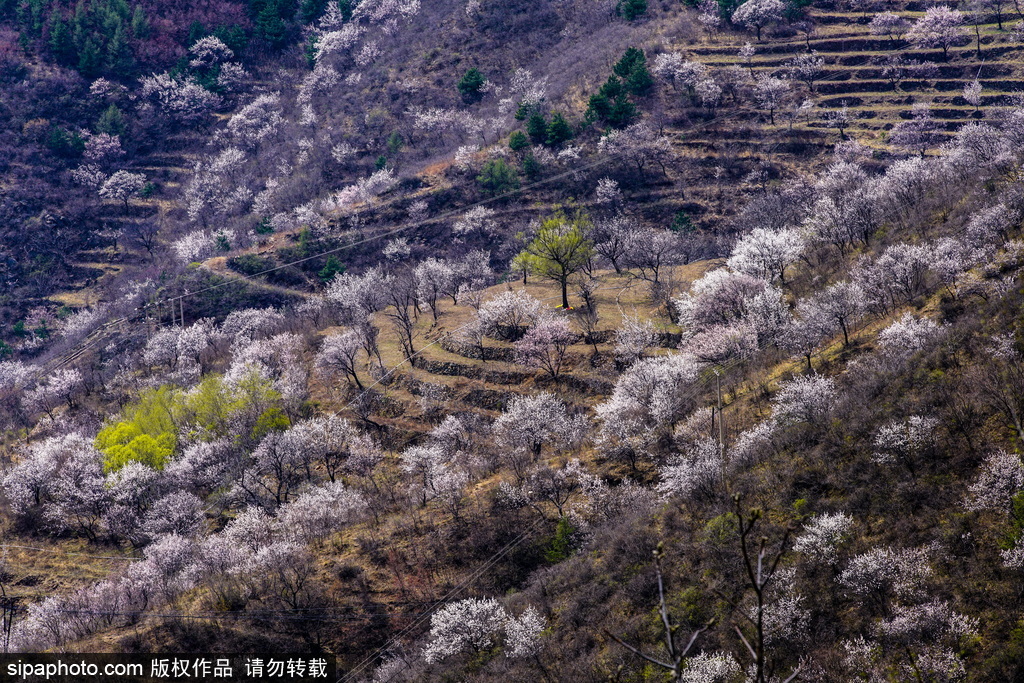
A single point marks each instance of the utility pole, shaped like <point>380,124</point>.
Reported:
<point>721,424</point>
<point>8,605</point>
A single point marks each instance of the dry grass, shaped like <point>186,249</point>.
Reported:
<point>57,566</point>
<point>617,296</point>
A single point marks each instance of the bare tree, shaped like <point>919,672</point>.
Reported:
<point>675,649</point>
<point>401,295</point>
<point>761,568</point>
<point>145,234</point>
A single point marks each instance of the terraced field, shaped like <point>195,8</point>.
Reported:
<point>852,74</point>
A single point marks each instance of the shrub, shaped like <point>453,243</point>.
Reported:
<point>249,264</point>
<point>631,9</point>
<point>331,268</point>
<point>559,131</point>
<point>537,128</point>
<point>64,144</point>
<point>497,177</point>
<point>560,546</point>
<point>531,167</point>
<point>264,227</point>
<point>145,433</point>
<point>682,223</point>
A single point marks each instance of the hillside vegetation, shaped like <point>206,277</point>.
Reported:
<point>562,341</point>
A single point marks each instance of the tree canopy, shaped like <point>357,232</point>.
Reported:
<point>559,250</point>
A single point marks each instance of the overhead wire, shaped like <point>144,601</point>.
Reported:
<point>143,310</point>
<point>699,385</point>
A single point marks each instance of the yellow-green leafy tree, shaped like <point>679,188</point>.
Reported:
<point>148,431</point>
<point>559,251</point>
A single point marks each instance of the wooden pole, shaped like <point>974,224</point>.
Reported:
<point>721,424</point>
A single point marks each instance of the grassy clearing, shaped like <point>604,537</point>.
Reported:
<point>618,296</point>
<point>47,566</point>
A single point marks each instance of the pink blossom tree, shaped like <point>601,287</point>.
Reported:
<point>940,27</point>
<point>544,345</point>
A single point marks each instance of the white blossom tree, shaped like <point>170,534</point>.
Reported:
<point>633,338</point>
<point>883,574</point>
<point>889,24</point>
<point>639,145</point>
<point>907,335</point>
<point>904,441</point>
<point>423,464</point>
<point>719,297</point>
<point>972,93</point>
<point>1000,479</point>
<point>755,15</point>
<point>180,100</point>
<point>78,497</point>
<point>807,67</point>
<point>523,634</point>
<point>770,92</point>
<point>612,238</point>
<point>103,148</point>
<point>468,625</point>
<point>724,343</point>
<point>509,314</point>
<point>28,483</point>
<point>822,537</point>
<point>650,252</point>
<point>320,511</point>
<point>805,399</point>
<point>339,355</point>
<point>180,512</point>
<point>257,121</point>
<point>895,276</point>
<point>208,51</point>
<point>766,254</point>
<point>918,133</point>
<point>940,27</point>
<point>122,186</point>
<point>434,279</point>
<point>694,473</point>
<point>530,422</point>
<point>61,386</point>
<point>646,403</point>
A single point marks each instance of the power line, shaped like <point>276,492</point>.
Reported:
<point>238,277</point>
<point>366,661</point>
<point>726,367</point>
<point>71,553</point>
<point>606,157</point>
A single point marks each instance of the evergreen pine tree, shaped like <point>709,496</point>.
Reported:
<point>61,44</point>
<point>111,122</point>
<point>537,128</point>
<point>559,131</point>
